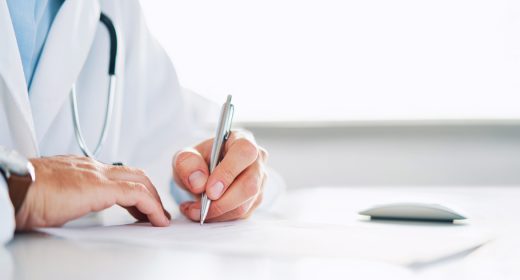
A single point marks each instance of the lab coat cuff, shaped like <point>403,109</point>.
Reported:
<point>7,220</point>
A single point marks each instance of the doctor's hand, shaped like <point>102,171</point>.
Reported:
<point>236,184</point>
<point>68,187</point>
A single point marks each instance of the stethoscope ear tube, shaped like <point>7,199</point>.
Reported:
<point>113,42</point>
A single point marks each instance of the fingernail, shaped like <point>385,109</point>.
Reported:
<point>194,214</point>
<point>197,181</point>
<point>215,191</point>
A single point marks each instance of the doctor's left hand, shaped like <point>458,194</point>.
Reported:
<point>236,184</point>
<point>68,187</point>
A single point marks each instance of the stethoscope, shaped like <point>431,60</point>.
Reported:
<point>107,22</point>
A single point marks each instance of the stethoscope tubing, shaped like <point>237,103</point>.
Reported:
<point>109,110</point>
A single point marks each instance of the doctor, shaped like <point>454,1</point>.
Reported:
<point>49,47</point>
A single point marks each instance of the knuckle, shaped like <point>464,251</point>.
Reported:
<point>264,154</point>
<point>148,181</point>
<point>124,187</point>
<point>259,198</point>
<point>86,165</point>
<point>184,158</point>
<point>79,158</point>
<point>247,148</point>
<point>131,187</point>
<point>101,204</point>
<point>254,206</point>
<point>141,188</point>
<point>227,175</point>
<point>140,172</point>
<point>125,169</point>
<point>92,176</point>
<point>217,210</point>
<point>83,163</point>
<point>88,160</point>
<point>135,171</point>
<point>242,209</point>
<point>251,186</point>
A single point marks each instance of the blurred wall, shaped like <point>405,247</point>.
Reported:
<point>433,154</point>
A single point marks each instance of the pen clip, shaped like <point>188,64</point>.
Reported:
<point>229,120</point>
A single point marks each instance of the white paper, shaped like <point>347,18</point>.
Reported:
<point>405,245</point>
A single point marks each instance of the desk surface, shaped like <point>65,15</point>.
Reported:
<point>38,256</point>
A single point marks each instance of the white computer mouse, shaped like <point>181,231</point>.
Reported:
<point>412,211</point>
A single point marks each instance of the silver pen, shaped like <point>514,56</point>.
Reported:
<point>223,131</point>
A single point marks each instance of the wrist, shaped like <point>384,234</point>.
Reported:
<point>22,218</point>
<point>30,213</point>
<point>18,173</point>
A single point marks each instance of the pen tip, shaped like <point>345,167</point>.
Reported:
<point>201,222</point>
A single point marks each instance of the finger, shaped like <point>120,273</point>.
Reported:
<point>245,187</point>
<point>137,214</point>
<point>241,154</point>
<point>257,204</point>
<point>131,194</point>
<point>129,174</point>
<point>190,170</point>
<point>191,210</point>
<point>204,148</point>
<point>259,199</point>
<point>238,213</point>
<point>142,217</point>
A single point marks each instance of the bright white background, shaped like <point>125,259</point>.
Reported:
<point>327,60</point>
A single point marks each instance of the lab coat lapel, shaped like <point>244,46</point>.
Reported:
<point>66,49</point>
<point>13,90</point>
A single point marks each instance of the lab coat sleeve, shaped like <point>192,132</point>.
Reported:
<point>7,222</point>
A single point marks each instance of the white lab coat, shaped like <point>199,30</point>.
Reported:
<point>153,118</point>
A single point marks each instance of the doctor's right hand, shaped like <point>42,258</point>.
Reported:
<point>68,187</point>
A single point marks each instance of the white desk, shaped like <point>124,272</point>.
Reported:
<point>36,256</point>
